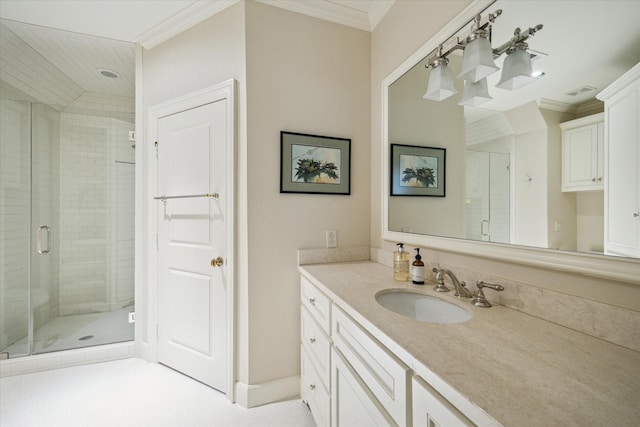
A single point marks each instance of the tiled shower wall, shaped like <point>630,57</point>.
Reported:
<point>96,227</point>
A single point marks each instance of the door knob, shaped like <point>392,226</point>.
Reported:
<point>217,262</point>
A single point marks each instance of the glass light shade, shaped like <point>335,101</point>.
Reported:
<point>441,85</point>
<point>475,93</point>
<point>477,60</point>
<point>516,71</point>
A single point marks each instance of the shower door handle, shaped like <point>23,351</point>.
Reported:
<point>39,239</point>
<point>482,227</point>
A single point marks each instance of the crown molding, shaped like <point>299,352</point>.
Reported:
<point>623,81</point>
<point>378,11</point>
<point>563,107</point>
<point>325,10</point>
<point>191,15</point>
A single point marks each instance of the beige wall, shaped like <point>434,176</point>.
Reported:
<point>209,53</point>
<point>407,26</point>
<point>310,76</point>
<point>298,74</point>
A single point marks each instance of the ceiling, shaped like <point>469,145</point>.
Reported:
<point>52,50</point>
<point>36,54</point>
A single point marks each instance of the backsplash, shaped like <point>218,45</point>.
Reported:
<point>326,256</point>
<point>610,323</point>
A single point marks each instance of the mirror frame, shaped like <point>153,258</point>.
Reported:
<point>601,266</point>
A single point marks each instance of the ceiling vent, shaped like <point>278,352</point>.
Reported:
<point>581,90</point>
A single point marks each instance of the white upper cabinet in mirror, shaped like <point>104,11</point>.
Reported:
<point>504,197</point>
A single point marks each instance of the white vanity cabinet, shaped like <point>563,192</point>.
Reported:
<point>622,148</point>
<point>349,378</point>
<point>583,154</point>
<point>430,409</point>
<point>315,352</point>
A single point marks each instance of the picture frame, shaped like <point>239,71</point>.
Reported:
<point>417,171</point>
<point>314,164</point>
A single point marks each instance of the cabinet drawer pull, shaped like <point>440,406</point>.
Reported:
<point>312,301</point>
<point>312,387</point>
<point>593,180</point>
<point>636,214</point>
<point>312,340</point>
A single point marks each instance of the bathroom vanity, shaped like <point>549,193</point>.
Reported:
<point>363,364</point>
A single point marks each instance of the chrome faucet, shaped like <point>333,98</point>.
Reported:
<point>461,290</point>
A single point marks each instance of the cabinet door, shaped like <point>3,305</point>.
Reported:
<point>430,409</point>
<point>313,392</point>
<point>622,193</point>
<point>581,158</point>
<point>352,404</point>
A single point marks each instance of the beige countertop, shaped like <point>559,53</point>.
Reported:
<point>501,366</point>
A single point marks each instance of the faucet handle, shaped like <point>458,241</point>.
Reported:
<point>480,300</point>
<point>440,287</point>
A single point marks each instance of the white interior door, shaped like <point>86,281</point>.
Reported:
<point>192,233</point>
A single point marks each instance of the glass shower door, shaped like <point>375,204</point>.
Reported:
<point>15,206</point>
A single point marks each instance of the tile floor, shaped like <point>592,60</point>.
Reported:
<point>131,392</point>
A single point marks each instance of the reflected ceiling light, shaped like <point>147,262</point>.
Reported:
<point>441,84</point>
<point>478,63</point>
<point>475,93</point>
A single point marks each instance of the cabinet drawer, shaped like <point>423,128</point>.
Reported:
<point>317,345</point>
<point>317,303</point>
<point>383,373</point>
<point>313,392</point>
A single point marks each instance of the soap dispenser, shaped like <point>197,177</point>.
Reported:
<point>401,264</point>
<point>417,269</point>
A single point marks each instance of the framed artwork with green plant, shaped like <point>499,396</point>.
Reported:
<point>417,171</point>
<point>314,164</point>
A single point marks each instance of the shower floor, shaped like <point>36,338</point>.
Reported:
<point>77,331</point>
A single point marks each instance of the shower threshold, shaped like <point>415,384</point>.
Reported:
<point>78,331</point>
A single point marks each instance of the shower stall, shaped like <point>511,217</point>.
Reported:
<point>66,229</point>
<point>66,190</point>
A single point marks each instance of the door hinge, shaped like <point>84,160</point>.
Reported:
<point>156,145</point>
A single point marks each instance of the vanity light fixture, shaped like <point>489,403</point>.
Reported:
<point>441,84</point>
<point>478,63</point>
<point>475,93</point>
<point>517,70</point>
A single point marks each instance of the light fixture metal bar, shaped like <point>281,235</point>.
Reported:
<point>458,42</point>
<point>518,37</point>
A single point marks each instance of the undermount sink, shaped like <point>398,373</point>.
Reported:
<point>422,307</point>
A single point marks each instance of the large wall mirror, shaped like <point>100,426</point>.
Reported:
<point>504,191</point>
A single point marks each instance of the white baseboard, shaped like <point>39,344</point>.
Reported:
<point>251,395</point>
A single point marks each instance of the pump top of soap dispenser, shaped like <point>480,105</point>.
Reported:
<point>400,247</point>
